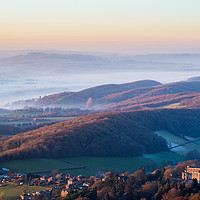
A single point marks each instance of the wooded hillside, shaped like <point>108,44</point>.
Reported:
<point>108,134</point>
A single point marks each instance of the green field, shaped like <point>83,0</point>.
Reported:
<point>33,113</point>
<point>171,138</point>
<point>56,119</point>
<point>93,165</point>
<point>96,165</point>
<point>174,140</point>
<point>15,122</point>
<point>45,120</point>
<point>36,165</point>
<point>197,142</point>
<point>13,191</point>
<point>173,105</point>
<point>20,114</point>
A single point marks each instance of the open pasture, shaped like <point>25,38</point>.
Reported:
<point>92,165</point>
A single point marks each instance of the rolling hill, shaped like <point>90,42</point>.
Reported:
<point>106,134</point>
<point>156,96</point>
<point>79,99</point>
<point>130,96</point>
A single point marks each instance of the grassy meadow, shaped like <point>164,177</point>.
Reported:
<point>56,119</point>
<point>186,144</point>
<point>36,165</point>
<point>92,165</point>
<point>13,191</point>
<point>24,113</point>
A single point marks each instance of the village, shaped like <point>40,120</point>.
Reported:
<point>53,185</point>
<point>59,185</point>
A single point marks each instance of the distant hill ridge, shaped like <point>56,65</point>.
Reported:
<point>129,96</point>
<point>81,97</point>
<point>52,56</point>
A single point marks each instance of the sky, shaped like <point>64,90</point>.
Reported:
<point>129,26</point>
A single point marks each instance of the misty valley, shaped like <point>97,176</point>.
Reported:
<point>72,117</point>
<point>44,73</point>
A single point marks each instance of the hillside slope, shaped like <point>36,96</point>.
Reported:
<point>80,98</point>
<point>172,88</point>
<point>108,134</point>
<point>179,99</point>
<point>155,96</point>
<point>130,96</point>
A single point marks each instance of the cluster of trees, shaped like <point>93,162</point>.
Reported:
<point>164,184</point>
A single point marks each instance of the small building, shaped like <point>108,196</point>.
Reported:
<point>25,196</point>
<point>72,181</point>
<point>43,179</point>
<point>64,193</point>
<point>86,184</point>
<point>191,173</point>
<point>51,179</point>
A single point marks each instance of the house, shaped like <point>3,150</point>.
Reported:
<point>42,179</point>
<point>72,181</point>
<point>86,184</point>
<point>60,176</point>
<point>41,193</point>
<point>68,176</point>
<point>19,176</point>
<point>25,196</point>
<point>64,193</point>
<point>51,179</point>
<point>79,177</point>
<point>191,173</point>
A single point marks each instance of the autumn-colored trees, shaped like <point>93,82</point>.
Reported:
<point>106,134</point>
<point>142,186</point>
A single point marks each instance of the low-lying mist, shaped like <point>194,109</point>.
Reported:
<point>39,74</point>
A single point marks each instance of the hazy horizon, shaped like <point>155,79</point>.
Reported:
<point>127,26</point>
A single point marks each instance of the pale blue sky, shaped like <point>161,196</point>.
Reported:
<point>106,25</point>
